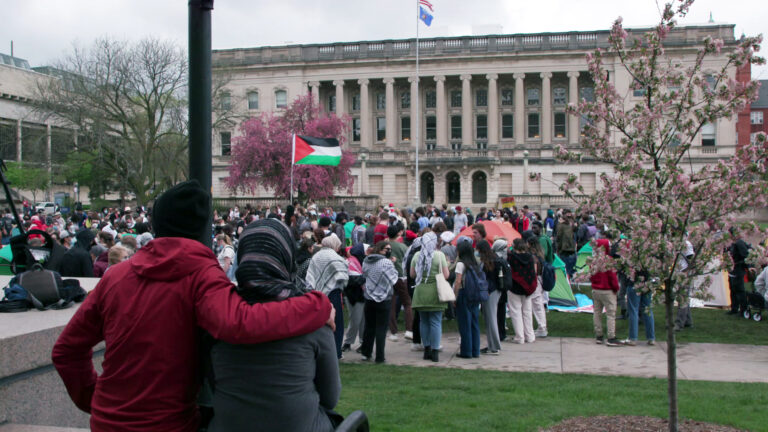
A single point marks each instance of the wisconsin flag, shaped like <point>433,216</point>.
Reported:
<point>316,151</point>
<point>425,16</point>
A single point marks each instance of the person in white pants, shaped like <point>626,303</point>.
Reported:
<point>539,298</point>
<point>524,268</point>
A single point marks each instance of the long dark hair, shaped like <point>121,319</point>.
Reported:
<point>466,254</point>
<point>487,256</point>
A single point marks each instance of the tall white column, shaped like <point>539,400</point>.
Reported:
<point>546,108</point>
<point>416,130</point>
<point>314,87</point>
<point>391,113</point>
<point>520,131</point>
<point>466,112</point>
<point>341,107</point>
<point>366,123</point>
<point>573,98</point>
<point>493,109</point>
<point>442,112</point>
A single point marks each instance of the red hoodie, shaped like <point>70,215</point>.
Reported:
<point>149,310</point>
<point>605,280</point>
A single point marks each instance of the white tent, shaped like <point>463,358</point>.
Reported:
<point>718,293</point>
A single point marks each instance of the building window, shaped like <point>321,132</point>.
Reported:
<point>559,96</point>
<point>587,94</point>
<point>455,127</point>
<point>481,97</point>
<point>753,137</point>
<point>431,127</point>
<point>381,129</point>
<point>356,102</point>
<point>405,100</point>
<point>281,99</point>
<point>225,101</point>
<point>711,82</point>
<point>226,143</point>
<point>332,103</point>
<point>507,126</point>
<point>430,99</point>
<point>638,90</point>
<point>253,100</point>
<point>559,125</point>
<point>533,125</point>
<point>456,99</point>
<point>482,127</point>
<point>756,117</point>
<point>405,128</point>
<point>532,96</point>
<point>381,101</point>
<point>507,97</point>
<point>708,134</point>
<point>356,129</point>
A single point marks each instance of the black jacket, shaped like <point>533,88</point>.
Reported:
<point>77,261</point>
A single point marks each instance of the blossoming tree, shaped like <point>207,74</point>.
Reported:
<point>655,193</point>
<point>261,157</point>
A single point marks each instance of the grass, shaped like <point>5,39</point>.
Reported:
<point>437,399</point>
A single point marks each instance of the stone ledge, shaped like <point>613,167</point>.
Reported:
<point>36,428</point>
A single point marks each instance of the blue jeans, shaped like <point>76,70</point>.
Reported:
<point>431,327</point>
<point>642,302</point>
<point>468,318</point>
<point>570,263</point>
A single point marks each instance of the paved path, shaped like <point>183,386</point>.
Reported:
<point>695,361</point>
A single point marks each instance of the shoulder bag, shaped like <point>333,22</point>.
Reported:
<point>444,290</point>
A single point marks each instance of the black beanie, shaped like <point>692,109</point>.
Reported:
<point>182,211</point>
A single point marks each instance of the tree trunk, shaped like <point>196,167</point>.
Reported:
<point>669,299</point>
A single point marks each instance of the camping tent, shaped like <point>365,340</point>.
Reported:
<point>718,290</point>
<point>6,256</point>
<point>493,229</point>
<point>561,294</point>
<point>581,260</point>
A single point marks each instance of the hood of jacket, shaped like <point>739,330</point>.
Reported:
<point>522,258</point>
<point>84,238</point>
<point>168,258</point>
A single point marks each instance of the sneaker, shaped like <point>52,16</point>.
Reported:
<point>346,348</point>
<point>629,342</point>
<point>599,340</point>
<point>409,335</point>
<point>341,357</point>
<point>540,333</point>
<point>417,347</point>
<point>486,351</point>
<point>613,342</point>
<point>366,358</point>
<point>651,342</point>
<point>359,349</point>
<point>393,337</point>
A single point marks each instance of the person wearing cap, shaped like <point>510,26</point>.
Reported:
<point>459,221</point>
<point>149,311</point>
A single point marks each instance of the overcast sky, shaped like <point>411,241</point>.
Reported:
<point>43,30</point>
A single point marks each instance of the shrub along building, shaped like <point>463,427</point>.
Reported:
<point>491,110</point>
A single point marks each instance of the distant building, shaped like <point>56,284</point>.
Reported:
<point>758,112</point>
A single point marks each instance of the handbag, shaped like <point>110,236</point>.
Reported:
<point>444,290</point>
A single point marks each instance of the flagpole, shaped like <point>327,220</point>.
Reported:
<point>293,157</point>
<point>417,124</point>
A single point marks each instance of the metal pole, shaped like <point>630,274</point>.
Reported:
<point>200,156</point>
<point>416,124</point>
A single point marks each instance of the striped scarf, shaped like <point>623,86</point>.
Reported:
<point>428,246</point>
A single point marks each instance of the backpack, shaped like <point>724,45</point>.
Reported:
<point>548,277</point>
<point>43,287</point>
<point>475,286</point>
<point>505,278</point>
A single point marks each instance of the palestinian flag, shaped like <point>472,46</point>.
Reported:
<point>316,151</point>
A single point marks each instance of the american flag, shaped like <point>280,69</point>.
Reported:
<point>427,4</point>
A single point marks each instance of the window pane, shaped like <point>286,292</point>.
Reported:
<point>482,127</point>
<point>405,100</point>
<point>559,95</point>
<point>226,143</point>
<point>507,97</point>
<point>560,125</point>
<point>481,97</point>
<point>431,99</point>
<point>253,100</point>
<point>332,103</point>
<point>455,127</point>
<point>456,99</point>
<point>708,132</point>
<point>356,129</point>
<point>356,102</point>
<point>533,96</point>
<point>587,94</point>
<point>381,101</point>
<point>638,90</point>
<point>381,129</point>
<point>281,99</point>
<point>533,125</point>
<point>507,126</point>
<point>431,127</point>
<point>226,101</point>
<point>405,128</point>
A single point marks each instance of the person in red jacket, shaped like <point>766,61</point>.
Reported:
<point>150,311</point>
<point>605,285</point>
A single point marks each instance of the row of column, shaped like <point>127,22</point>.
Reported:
<point>366,119</point>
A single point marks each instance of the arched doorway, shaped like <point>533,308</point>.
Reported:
<point>453,187</point>
<point>427,188</point>
<point>479,188</point>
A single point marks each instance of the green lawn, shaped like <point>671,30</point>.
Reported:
<point>437,399</point>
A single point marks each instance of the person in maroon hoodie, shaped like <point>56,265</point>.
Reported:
<point>605,285</point>
<point>150,311</point>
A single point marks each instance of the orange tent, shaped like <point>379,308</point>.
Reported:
<point>493,229</point>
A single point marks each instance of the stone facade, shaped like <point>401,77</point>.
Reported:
<point>490,109</point>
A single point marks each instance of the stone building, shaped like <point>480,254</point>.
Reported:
<point>491,109</point>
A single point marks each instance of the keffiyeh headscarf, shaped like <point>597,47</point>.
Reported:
<point>500,247</point>
<point>266,268</point>
<point>428,245</point>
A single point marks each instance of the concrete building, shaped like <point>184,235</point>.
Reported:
<point>491,109</point>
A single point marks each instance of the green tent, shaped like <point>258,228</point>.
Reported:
<point>6,256</point>
<point>581,260</point>
<point>561,294</point>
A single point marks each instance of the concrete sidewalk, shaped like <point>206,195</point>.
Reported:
<point>695,361</point>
